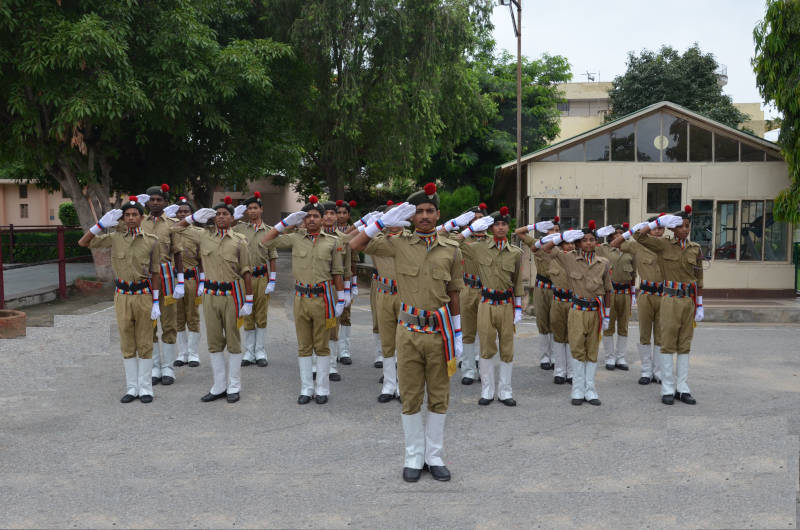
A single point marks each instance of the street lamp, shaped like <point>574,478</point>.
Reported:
<point>517,22</point>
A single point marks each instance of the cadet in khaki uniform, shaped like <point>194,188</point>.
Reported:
<point>373,304</point>
<point>343,227</point>
<point>590,282</point>
<point>501,302</point>
<point>623,289</point>
<point>226,261</point>
<point>682,305</point>
<point>317,267</point>
<point>429,279</point>
<point>262,262</point>
<point>135,259</point>
<point>329,219</point>
<point>649,301</point>
<point>188,314</point>
<point>158,224</point>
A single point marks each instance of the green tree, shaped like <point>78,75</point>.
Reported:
<point>689,79</point>
<point>67,214</point>
<point>453,203</point>
<point>776,64</point>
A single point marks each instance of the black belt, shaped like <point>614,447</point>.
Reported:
<point>316,289</point>
<point>621,286</point>
<point>258,272</point>
<point>475,284</point>
<point>563,295</point>
<point>122,285</point>
<point>497,296</point>
<point>652,289</point>
<point>188,274</point>
<point>582,302</point>
<point>218,286</point>
<point>541,278</point>
<point>669,291</point>
<point>420,321</point>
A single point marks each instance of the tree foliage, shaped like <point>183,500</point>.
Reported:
<point>689,79</point>
<point>777,67</point>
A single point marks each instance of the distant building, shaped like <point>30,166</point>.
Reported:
<point>278,201</point>
<point>25,204</point>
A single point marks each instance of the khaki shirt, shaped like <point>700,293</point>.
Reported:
<point>424,277</point>
<point>348,265</point>
<point>556,271</point>
<point>259,254</point>
<point>586,281</point>
<point>647,262</point>
<point>190,249</point>
<point>225,257</point>
<point>623,268</point>
<point>385,264</point>
<point>133,257</point>
<point>312,262</point>
<point>167,239</point>
<point>677,264</point>
<point>539,261</point>
<point>499,269</point>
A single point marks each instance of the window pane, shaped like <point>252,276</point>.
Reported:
<point>551,158</point>
<point>663,197</point>
<point>771,158</point>
<point>675,131</point>
<point>702,225</point>
<point>570,213</point>
<point>699,144</point>
<point>648,134</point>
<point>597,149</point>
<point>751,154</point>
<point>594,209</point>
<point>544,209</point>
<point>622,144</point>
<point>725,149</point>
<point>752,228</point>
<point>23,211</point>
<point>726,231</point>
<point>775,237</point>
<point>23,191</point>
<point>618,211</point>
<point>573,154</point>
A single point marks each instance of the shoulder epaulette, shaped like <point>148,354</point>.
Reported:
<point>448,241</point>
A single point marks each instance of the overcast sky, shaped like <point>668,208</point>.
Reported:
<point>596,35</point>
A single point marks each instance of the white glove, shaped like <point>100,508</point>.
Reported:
<point>629,233</point>
<point>371,217</point>
<point>570,236</point>
<point>517,309</point>
<point>478,226</point>
<point>555,238</point>
<point>698,312</point>
<point>455,321</point>
<point>273,276</point>
<point>354,287</point>
<point>109,219</point>
<point>459,221</point>
<point>238,212</point>
<point>171,210</point>
<point>156,311</point>
<point>606,318</point>
<point>247,307</point>
<point>541,226</point>
<point>347,295</point>
<point>668,221</point>
<point>399,215</point>
<point>633,296</point>
<point>606,231</point>
<point>201,284</point>
<point>293,219</point>
<point>202,215</point>
<point>179,291</point>
<point>340,302</point>
<point>143,199</point>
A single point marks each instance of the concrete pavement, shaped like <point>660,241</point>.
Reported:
<point>38,283</point>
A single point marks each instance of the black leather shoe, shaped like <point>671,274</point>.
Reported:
<point>484,401</point>
<point>321,400</point>
<point>687,398</point>
<point>314,376</point>
<point>380,381</point>
<point>568,380</point>
<point>246,363</point>
<point>623,367</point>
<point>509,402</point>
<point>194,364</point>
<point>577,402</point>
<point>668,399</point>
<point>167,380</point>
<point>378,364</point>
<point>467,380</point>
<point>262,362</point>
<point>346,360</point>
<point>644,380</point>
<point>559,380</point>
<point>385,398</point>
<point>595,402</point>
<point>546,366</point>
<point>146,399</point>
<point>127,398</point>
<point>213,397</point>
<point>611,367</point>
<point>438,472</point>
<point>303,399</point>
<point>233,397</point>
<point>411,475</point>
<point>655,380</point>
<point>334,377</point>
<point>156,380</point>
<point>178,363</point>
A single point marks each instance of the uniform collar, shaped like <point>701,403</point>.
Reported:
<point>259,226</point>
<point>156,218</point>
<point>222,232</point>
<point>135,232</point>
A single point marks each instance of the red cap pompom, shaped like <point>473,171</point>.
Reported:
<point>556,219</point>
<point>257,194</point>
<point>165,188</point>
<point>181,199</point>
<point>662,213</point>
<point>227,200</point>
<point>626,226</point>
<point>133,198</point>
<point>592,225</point>
<point>313,199</point>
<point>504,210</point>
<point>483,206</point>
<point>687,209</point>
<point>352,204</point>
<point>430,188</point>
<point>340,202</point>
<point>390,202</point>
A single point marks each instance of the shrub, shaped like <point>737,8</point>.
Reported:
<point>67,214</point>
<point>31,247</point>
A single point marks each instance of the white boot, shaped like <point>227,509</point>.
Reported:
<point>193,339</point>
<point>414,432</point>
<point>323,387</point>
<point>376,337</point>
<point>131,376</point>
<point>487,378</point>
<point>434,439</point>
<point>559,359</point>
<point>167,358</point>
<point>644,356</point>
<point>261,344</point>
<point>249,344</point>
<point>622,347</point>
<point>578,379</point>
<point>183,347</point>
<point>218,371</point>
<point>145,377</point>
<point>570,365</point>
<point>608,349</point>
<point>306,380</point>
<point>656,363</point>
<point>667,376</point>
<point>344,342</point>
<point>504,381</point>
<point>389,376</point>
<point>334,346</point>
<point>467,363</point>
<point>156,359</point>
<point>234,373</point>
<point>591,392</point>
<point>682,369</point>
<point>545,348</point>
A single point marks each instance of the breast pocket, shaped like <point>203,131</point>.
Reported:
<point>408,274</point>
<point>440,273</point>
<point>119,252</point>
<point>299,251</point>
<point>509,266</point>
<point>647,260</point>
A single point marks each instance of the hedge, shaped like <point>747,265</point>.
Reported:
<point>23,253</point>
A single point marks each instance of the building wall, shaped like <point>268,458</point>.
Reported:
<point>42,205</point>
<point>277,200</point>
<point>756,123</point>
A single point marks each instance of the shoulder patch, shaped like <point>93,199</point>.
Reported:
<point>451,242</point>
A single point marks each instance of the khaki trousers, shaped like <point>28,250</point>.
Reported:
<point>620,305</point>
<point>344,319</point>
<point>135,326</point>
<point>421,366</point>
<point>258,318</point>
<point>649,307</point>
<point>388,311</point>
<point>373,305</point>
<point>186,312</point>
<point>559,319</point>
<point>222,328</point>
<point>584,335</point>
<point>169,323</point>
<point>334,331</point>
<point>496,321</point>
<point>677,324</point>
<point>309,325</point>
<point>470,300</point>
<point>542,300</point>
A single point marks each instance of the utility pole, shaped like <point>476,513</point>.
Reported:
<point>517,22</point>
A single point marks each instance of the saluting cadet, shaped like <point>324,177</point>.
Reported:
<point>373,300</point>
<point>135,259</point>
<point>429,279</point>
<point>648,302</point>
<point>500,307</point>
<point>343,226</point>
<point>226,261</point>
<point>317,267</point>
<point>329,220</point>
<point>262,262</point>
<point>158,224</point>
<point>682,304</point>
<point>590,281</point>
<point>187,313</point>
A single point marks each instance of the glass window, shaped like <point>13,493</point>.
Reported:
<point>751,154</point>
<point>23,211</point>
<point>23,191</point>
<point>702,225</point>
<point>726,230</point>
<point>648,139</point>
<point>570,213</point>
<point>551,158</point>
<point>573,154</point>
<point>563,107</point>
<point>594,209</point>
<point>752,230</point>
<point>674,129</point>
<point>699,144</point>
<point>663,197</point>
<point>597,149</point>
<point>725,149</point>
<point>771,158</point>
<point>775,237</point>
<point>618,211</point>
<point>622,144</point>
<point>544,209</point>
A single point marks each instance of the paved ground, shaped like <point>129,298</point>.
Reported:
<point>72,456</point>
<point>39,278</point>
